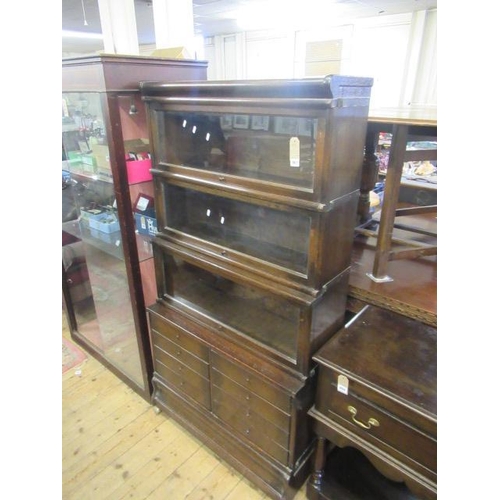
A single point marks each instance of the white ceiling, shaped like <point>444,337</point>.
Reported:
<point>212,17</point>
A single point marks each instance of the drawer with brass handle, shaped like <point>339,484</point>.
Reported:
<point>384,429</point>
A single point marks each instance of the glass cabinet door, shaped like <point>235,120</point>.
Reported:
<point>278,149</point>
<point>261,316</point>
<point>278,236</point>
<point>92,252</point>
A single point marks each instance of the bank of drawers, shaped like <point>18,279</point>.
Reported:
<point>255,408</point>
<point>252,406</point>
<point>181,360</point>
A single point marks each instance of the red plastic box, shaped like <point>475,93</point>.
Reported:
<point>139,171</point>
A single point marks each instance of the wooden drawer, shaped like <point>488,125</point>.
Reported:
<point>249,400</point>
<point>252,382</point>
<point>164,350</point>
<point>271,439</point>
<point>179,337</point>
<point>403,411</point>
<point>186,381</point>
<point>391,431</point>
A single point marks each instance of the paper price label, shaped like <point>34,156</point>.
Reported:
<point>294,152</point>
<point>343,384</point>
<point>142,203</point>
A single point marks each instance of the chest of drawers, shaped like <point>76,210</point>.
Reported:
<point>377,393</point>
<point>245,409</point>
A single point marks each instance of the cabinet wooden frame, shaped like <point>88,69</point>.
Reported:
<point>322,259</point>
<point>263,315</point>
<point>339,104</point>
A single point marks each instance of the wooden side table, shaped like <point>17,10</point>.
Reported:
<point>405,125</point>
<point>377,393</point>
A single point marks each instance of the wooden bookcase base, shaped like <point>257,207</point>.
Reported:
<point>274,479</point>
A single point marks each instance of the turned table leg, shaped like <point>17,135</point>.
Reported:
<point>369,174</point>
<point>319,462</point>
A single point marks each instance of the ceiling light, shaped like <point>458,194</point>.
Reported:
<point>85,23</point>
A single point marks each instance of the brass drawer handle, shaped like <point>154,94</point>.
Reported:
<point>371,421</point>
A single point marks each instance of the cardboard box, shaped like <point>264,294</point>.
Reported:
<point>145,215</point>
<point>139,171</point>
<point>136,146</point>
<point>145,224</point>
<point>101,154</point>
<point>172,53</point>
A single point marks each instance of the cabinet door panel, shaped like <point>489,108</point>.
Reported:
<point>252,146</point>
<point>278,236</point>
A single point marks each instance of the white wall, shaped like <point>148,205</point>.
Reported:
<point>398,52</point>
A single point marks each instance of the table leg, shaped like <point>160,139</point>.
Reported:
<point>389,205</point>
<point>369,174</point>
<point>319,462</point>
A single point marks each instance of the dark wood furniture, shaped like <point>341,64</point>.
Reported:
<point>104,119</point>
<point>256,190</point>
<point>405,125</point>
<point>377,393</point>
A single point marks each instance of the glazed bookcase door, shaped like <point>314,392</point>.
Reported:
<point>280,323</point>
<point>251,146</point>
<point>269,238</point>
<point>106,163</point>
<point>94,256</point>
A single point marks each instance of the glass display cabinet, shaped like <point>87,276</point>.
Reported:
<point>107,257</point>
<point>256,187</point>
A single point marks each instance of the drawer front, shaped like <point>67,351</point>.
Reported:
<point>250,400</point>
<point>327,387</point>
<point>185,380</point>
<point>354,412</point>
<point>252,382</point>
<point>179,337</point>
<point>164,350</point>
<point>251,425</point>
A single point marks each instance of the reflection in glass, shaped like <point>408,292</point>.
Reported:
<point>92,251</point>
<point>263,317</point>
<point>276,236</point>
<point>255,146</point>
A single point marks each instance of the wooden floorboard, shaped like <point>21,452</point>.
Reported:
<point>116,447</point>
